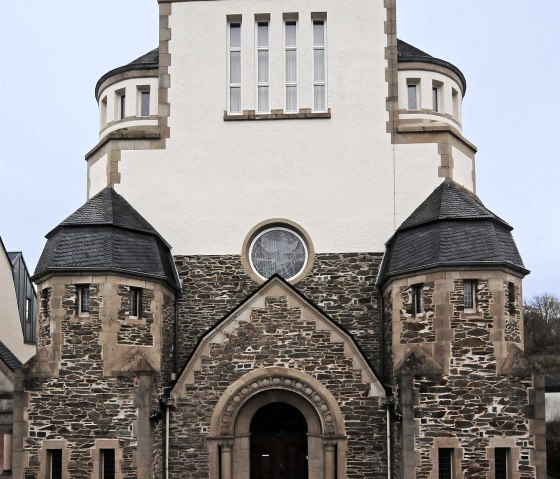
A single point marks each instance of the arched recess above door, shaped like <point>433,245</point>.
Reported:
<point>317,402</point>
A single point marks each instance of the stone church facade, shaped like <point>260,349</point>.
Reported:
<point>282,269</point>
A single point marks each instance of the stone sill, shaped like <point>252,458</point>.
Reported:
<point>415,126</point>
<point>303,114</point>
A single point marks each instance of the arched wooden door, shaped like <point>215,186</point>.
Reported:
<point>278,443</point>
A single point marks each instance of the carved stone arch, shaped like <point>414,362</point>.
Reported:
<point>229,438</point>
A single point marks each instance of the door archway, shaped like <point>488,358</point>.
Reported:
<point>278,443</point>
<point>229,441</point>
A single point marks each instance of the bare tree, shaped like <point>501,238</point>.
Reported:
<point>542,325</point>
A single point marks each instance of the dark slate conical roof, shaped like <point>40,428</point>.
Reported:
<point>451,228</point>
<point>107,234</point>
<point>408,53</point>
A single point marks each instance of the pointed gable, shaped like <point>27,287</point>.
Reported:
<point>278,327</point>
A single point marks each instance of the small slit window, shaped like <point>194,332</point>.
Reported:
<point>83,299</point>
<point>107,457</point>
<point>418,299</point>
<point>54,464</point>
<point>501,463</point>
<point>412,88</point>
<point>445,463</point>
<point>135,299</point>
<point>144,100</point>
<point>511,298</point>
<point>469,294</point>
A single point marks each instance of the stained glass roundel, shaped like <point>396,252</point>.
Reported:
<point>278,251</point>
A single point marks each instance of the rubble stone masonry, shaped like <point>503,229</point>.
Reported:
<point>455,385</point>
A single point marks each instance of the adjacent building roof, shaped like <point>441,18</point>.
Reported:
<point>408,53</point>
<point>107,234</point>
<point>8,358</point>
<point>450,228</point>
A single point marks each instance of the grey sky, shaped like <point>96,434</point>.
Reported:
<point>52,53</point>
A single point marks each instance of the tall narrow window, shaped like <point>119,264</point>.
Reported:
<point>145,102</point>
<point>54,463</point>
<point>263,85</point>
<point>511,298</point>
<point>469,293</point>
<point>501,463</point>
<point>445,463</point>
<point>103,112</point>
<point>455,99</point>
<point>319,66</point>
<point>235,67</point>
<point>418,299</point>
<point>290,65</point>
<point>107,463</point>
<point>28,310</point>
<point>122,106</point>
<point>83,299</point>
<point>435,98</point>
<point>135,299</point>
<point>412,90</point>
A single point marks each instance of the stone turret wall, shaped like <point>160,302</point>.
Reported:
<point>86,390</point>
<point>459,377</point>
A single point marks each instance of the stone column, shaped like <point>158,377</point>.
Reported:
<point>330,460</point>
<point>225,460</point>
<point>7,452</point>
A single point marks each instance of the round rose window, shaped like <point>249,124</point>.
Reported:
<point>278,251</point>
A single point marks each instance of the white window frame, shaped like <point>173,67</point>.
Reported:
<point>141,90</point>
<point>232,85</point>
<point>413,83</point>
<point>323,47</point>
<point>286,49</point>
<point>261,48</point>
<point>469,289</point>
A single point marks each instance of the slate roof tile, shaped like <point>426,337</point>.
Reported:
<point>8,358</point>
<point>107,234</point>
<point>450,228</point>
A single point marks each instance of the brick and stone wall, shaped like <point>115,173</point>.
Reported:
<point>342,285</point>
<point>135,330</point>
<point>44,318</point>
<point>452,386</point>
<point>86,389</point>
<point>277,334</point>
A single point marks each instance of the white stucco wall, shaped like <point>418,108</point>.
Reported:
<point>414,177</point>
<point>131,87</point>
<point>97,175</point>
<point>10,325</point>
<point>218,179</point>
<point>463,169</point>
<point>339,178</point>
